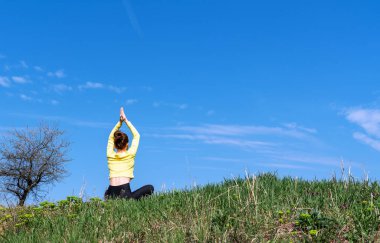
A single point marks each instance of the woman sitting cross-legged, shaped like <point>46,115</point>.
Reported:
<point>121,163</point>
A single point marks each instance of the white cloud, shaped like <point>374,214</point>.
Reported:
<point>157,104</point>
<point>116,89</point>
<point>147,88</point>
<point>54,102</point>
<point>90,124</point>
<point>286,166</point>
<point>60,88</point>
<point>68,120</point>
<point>295,126</point>
<point>181,106</point>
<point>367,140</point>
<point>368,119</point>
<point>306,158</point>
<point>98,85</point>
<point>57,74</point>
<point>132,17</point>
<point>221,159</point>
<point>23,64</point>
<point>20,80</point>
<point>19,65</point>
<point>131,101</point>
<point>238,142</point>
<point>240,130</point>
<point>238,135</point>
<point>38,68</point>
<point>25,97</point>
<point>208,168</point>
<point>288,152</point>
<point>245,138</point>
<point>4,81</point>
<point>91,85</point>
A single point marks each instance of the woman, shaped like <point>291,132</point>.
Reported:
<point>121,163</point>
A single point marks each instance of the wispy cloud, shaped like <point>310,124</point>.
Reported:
<point>38,68</point>
<point>295,126</point>
<point>238,142</point>
<point>306,158</point>
<point>116,89</point>
<point>209,168</point>
<point>369,120</point>
<point>288,150</point>
<point>26,97</point>
<point>173,105</point>
<point>286,166</point>
<point>29,98</point>
<point>60,88</point>
<point>147,88</point>
<point>241,130</point>
<point>132,17</point>
<point>98,85</point>
<point>91,85</point>
<point>68,120</point>
<point>4,81</point>
<point>131,101</point>
<point>20,79</point>
<point>181,106</point>
<point>237,135</point>
<point>374,143</point>
<point>19,65</point>
<point>57,74</point>
<point>289,160</point>
<point>54,102</point>
<point>211,158</point>
<point>23,64</point>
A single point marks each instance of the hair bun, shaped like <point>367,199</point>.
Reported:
<point>118,134</point>
<point>120,139</point>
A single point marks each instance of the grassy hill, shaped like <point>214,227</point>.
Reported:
<point>256,209</point>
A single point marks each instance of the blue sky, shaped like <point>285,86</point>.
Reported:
<point>215,88</point>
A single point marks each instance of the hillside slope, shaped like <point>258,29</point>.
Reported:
<point>259,208</point>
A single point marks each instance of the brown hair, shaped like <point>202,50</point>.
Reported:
<point>120,140</point>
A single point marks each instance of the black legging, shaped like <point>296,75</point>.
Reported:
<point>124,191</point>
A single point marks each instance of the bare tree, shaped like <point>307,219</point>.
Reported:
<point>31,159</point>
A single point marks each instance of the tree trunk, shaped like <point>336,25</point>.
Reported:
<point>23,198</point>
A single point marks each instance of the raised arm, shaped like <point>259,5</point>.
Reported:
<point>136,138</point>
<point>110,144</point>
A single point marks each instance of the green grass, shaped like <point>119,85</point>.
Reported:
<point>257,209</point>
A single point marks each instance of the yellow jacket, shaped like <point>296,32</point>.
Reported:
<point>122,164</point>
